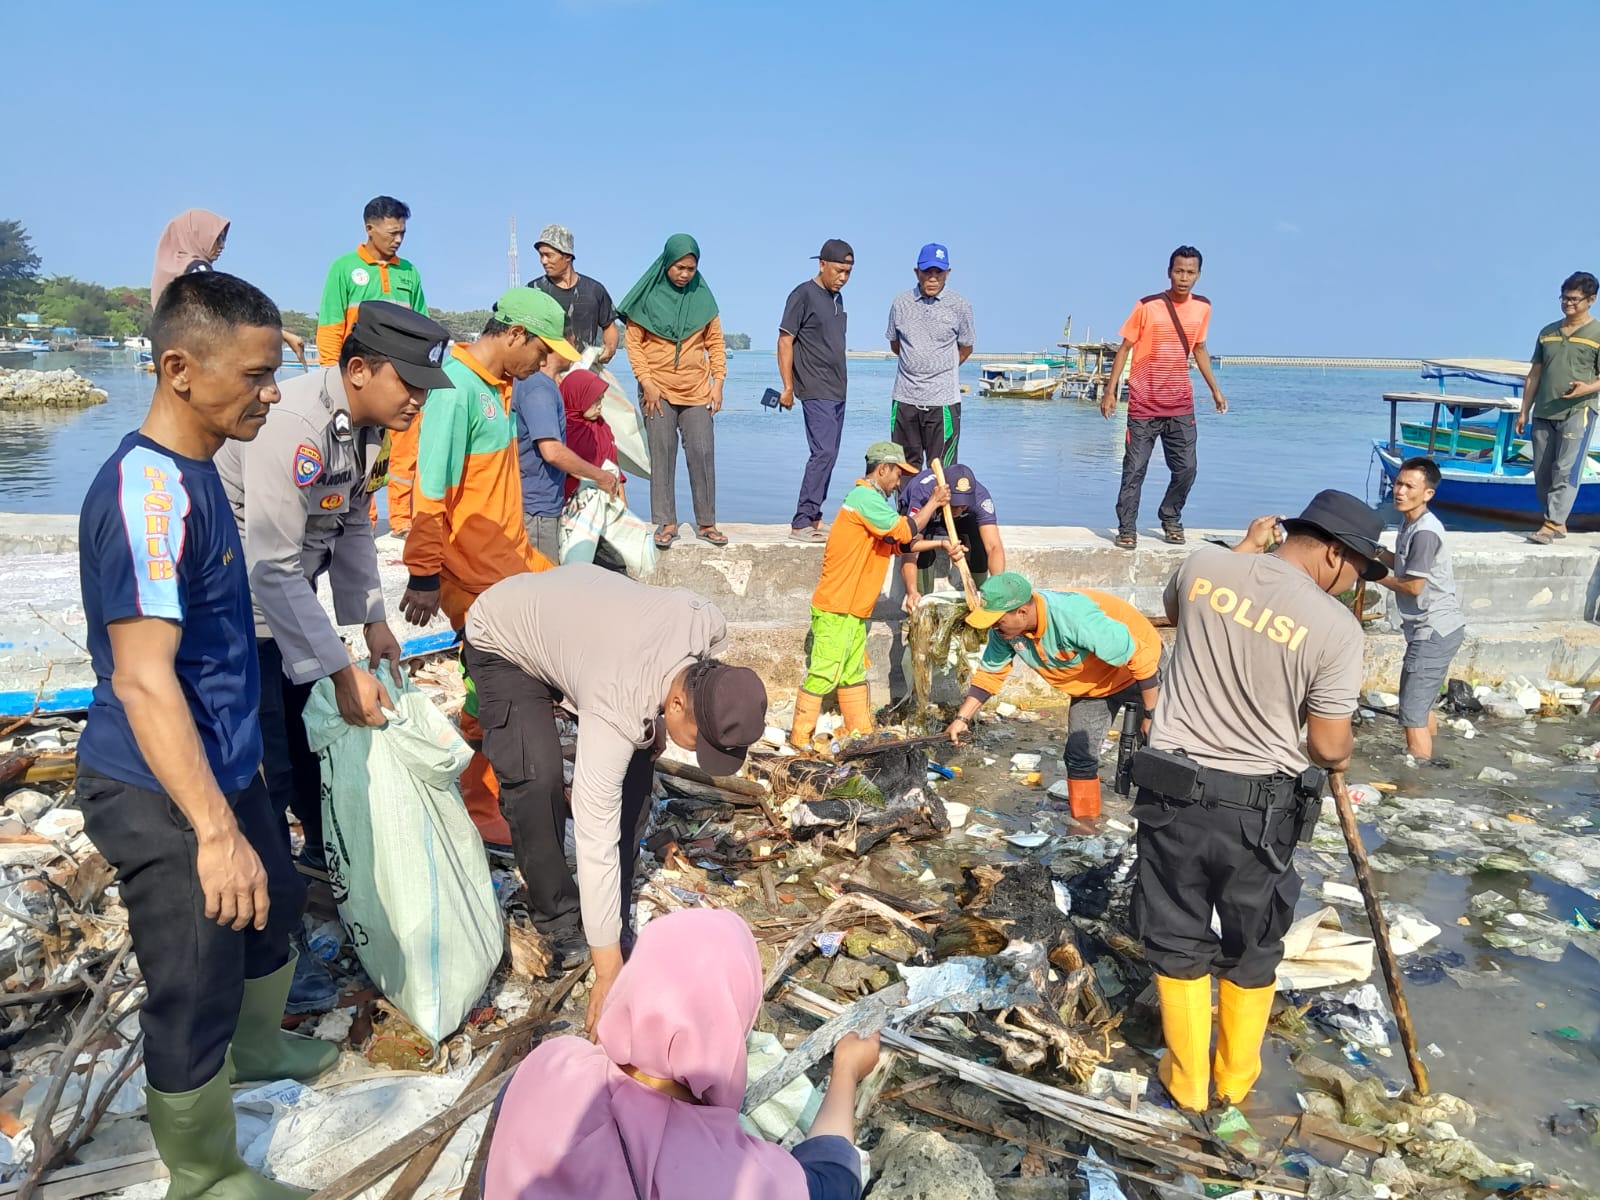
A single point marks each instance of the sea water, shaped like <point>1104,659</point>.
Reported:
<point>1287,434</point>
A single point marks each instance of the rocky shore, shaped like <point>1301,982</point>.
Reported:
<point>47,389</point>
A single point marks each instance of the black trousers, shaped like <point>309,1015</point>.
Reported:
<point>1179,439</point>
<point>1089,719</point>
<point>194,969</point>
<point>968,533</point>
<point>927,433</point>
<point>293,774</point>
<point>517,713</point>
<point>1203,859</point>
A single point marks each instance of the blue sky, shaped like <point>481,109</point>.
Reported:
<point>1363,178</point>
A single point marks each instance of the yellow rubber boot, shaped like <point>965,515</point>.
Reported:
<point>855,709</point>
<point>807,708</point>
<point>1186,1026</point>
<point>1242,1015</point>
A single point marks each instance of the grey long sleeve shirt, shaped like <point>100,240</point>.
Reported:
<point>299,492</point>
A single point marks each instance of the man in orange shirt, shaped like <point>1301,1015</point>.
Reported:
<point>1161,334</point>
<point>1091,646</point>
<point>864,539</point>
<point>467,531</point>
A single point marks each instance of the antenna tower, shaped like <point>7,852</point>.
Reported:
<point>516,277</point>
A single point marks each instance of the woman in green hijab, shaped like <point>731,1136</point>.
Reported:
<point>675,346</point>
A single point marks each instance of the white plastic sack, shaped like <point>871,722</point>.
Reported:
<point>407,865</point>
<point>590,516</point>
<point>1318,953</point>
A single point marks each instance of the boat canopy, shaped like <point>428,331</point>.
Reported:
<point>995,368</point>
<point>1502,372</point>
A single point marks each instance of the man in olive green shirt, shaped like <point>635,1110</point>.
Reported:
<point>1562,382</point>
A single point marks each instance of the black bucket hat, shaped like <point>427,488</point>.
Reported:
<point>1347,520</point>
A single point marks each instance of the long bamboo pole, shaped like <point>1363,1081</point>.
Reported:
<point>1380,930</point>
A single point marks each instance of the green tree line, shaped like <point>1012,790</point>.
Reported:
<point>97,311</point>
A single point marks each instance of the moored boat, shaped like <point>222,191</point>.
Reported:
<point>1022,381</point>
<point>1484,468</point>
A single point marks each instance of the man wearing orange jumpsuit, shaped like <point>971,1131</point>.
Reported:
<point>467,531</point>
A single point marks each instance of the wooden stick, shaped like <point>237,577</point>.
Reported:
<point>967,585</point>
<point>362,1176</point>
<point>1380,930</point>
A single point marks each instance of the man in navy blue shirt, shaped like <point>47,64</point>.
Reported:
<point>977,531</point>
<point>168,765</point>
<point>545,458</point>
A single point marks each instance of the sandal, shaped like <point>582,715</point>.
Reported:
<point>1173,533</point>
<point>1544,535</point>
<point>665,536</point>
<point>713,535</point>
<point>1127,541</point>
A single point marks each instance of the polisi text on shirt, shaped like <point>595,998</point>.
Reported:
<point>1281,628</point>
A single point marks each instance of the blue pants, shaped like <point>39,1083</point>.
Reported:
<point>824,427</point>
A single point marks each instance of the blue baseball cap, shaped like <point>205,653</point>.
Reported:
<point>933,255</point>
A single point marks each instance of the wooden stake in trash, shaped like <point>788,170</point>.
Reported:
<point>967,585</point>
<point>1380,929</point>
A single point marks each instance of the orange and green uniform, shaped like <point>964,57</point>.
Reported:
<point>1087,643</point>
<point>467,531</point>
<point>354,277</point>
<point>863,541</point>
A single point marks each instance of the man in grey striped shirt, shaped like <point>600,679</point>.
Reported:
<point>931,334</point>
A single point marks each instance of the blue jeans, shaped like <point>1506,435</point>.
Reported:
<point>824,427</point>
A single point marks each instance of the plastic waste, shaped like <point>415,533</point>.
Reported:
<point>1100,1183</point>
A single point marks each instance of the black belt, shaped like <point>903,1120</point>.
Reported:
<point>1257,792</point>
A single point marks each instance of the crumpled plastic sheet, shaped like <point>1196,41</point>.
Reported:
<point>1358,1014</point>
<point>968,984</point>
<point>790,1112</point>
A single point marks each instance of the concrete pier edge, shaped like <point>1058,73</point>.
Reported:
<point>1530,609</point>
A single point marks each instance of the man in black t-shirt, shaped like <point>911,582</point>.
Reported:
<point>591,319</point>
<point>811,363</point>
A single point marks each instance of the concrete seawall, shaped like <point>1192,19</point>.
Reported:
<point>1531,610</point>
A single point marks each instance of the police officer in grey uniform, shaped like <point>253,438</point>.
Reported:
<point>300,493</point>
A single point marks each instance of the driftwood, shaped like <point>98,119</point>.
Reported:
<point>49,1151</point>
<point>832,913</point>
<point>429,1140</point>
<point>1145,1137</point>
<point>94,1179</point>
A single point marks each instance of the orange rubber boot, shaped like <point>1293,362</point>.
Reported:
<point>1083,797</point>
<point>855,709</point>
<point>807,708</point>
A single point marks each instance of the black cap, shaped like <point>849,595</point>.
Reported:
<point>1348,521</point>
<point>836,250</point>
<point>730,714</point>
<point>415,344</point>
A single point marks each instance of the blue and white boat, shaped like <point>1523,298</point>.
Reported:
<point>1485,468</point>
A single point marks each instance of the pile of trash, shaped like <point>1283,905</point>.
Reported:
<point>954,906</point>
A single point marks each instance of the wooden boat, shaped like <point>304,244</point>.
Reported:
<point>1492,477</point>
<point>1020,381</point>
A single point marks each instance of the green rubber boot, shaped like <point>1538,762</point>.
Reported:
<point>196,1137</point>
<point>260,1049</point>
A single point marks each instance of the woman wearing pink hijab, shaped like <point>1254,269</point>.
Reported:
<point>192,241</point>
<point>652,1110</point>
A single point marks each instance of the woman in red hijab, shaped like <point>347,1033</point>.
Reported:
<point>588,435</point>
<point>192,241</point>
<point>651,1110</point>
